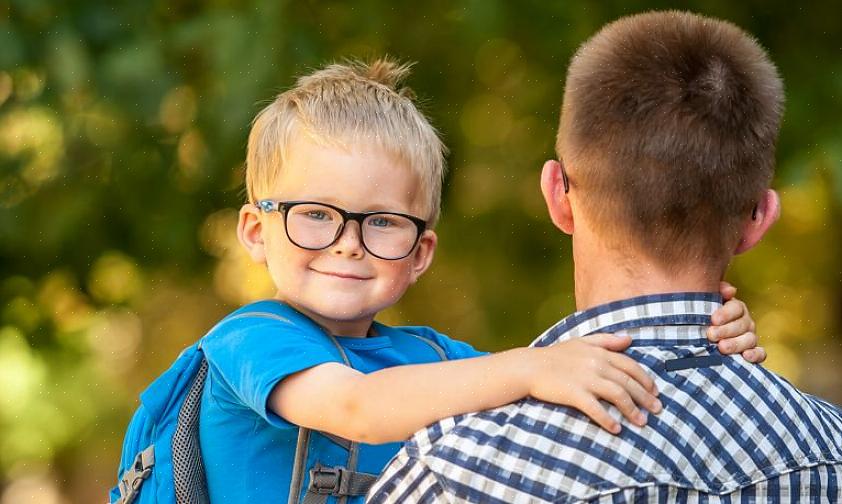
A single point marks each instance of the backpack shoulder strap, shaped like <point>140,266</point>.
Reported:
<point>337,481</point>
<point>435,346</point>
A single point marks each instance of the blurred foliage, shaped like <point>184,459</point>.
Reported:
<point>122,135</point>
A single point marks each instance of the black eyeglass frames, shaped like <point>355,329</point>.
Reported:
<point>312,225</point>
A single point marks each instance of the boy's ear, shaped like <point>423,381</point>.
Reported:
<point>250,232</point>
<point>766,213</point>
<point>423,256</point>
<point>555,196</point>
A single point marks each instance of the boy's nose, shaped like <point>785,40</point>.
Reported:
<point>350,242</point>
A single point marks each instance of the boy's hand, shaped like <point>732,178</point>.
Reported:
<point>733,329</point>
<point>581,371</point>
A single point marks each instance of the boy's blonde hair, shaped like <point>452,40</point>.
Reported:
<point>344,103</point>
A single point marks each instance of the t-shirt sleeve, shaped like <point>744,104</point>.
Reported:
<point>252,355</point>
<point>454,349</point>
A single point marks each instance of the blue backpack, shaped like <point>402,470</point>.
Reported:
<point>162,461</point>
<point>161,448</point>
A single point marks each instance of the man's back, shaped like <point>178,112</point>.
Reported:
<point>728,430</point>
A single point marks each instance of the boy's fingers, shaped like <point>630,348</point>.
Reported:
<point>755,355</point>
<point>730,330</point>
<point>620,398</point>
<point>641,397</point>
<point>727,290</point>
<point>593,409</point>
<point>730,311</point>
<point>738,344</point>
<point>613,342</point>
<point>631,368</point>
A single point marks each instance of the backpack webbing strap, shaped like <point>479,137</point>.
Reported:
<point>297,481</point>
<point>326,481</point>
<point>341,441</point>
<point>133,477</point>
<point>336,481</point>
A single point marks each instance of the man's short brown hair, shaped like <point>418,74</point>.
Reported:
<point>668,129</point>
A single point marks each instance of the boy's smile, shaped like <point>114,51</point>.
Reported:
<point>343,286</point>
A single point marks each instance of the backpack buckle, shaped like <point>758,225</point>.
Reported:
<point>326,480</point>
<point>133,478</point>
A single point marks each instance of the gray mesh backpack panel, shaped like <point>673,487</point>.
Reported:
<point>188,468</point>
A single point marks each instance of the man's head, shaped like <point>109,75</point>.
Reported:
<point>344,180</point>
<point>668,133</point>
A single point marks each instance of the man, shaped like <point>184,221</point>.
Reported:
<point>666,152</point>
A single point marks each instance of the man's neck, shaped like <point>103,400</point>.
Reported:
<point>606,275</point>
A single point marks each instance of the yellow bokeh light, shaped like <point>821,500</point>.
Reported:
<point>192,152</point>
<point>178,109</point>
<point>21,373</point>
<point>28,84</point>
<point>218,233</point>
<point>114,278</point>
<point>783,361</point>
<point>237,279</point>
<point>6,87</point>
<point>35,136</point>
<point>805,206</point>
<point>40,487</point>
<point>63,300</point>
<point>114,336</point>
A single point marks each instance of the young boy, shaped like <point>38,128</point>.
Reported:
<point>344,179</point>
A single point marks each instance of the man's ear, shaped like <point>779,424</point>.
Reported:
<point>767,212</point>
<point>558,204</point>
<point>250,232</point>
<point>423,255</point>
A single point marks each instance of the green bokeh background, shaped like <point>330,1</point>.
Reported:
<point>122,138</point>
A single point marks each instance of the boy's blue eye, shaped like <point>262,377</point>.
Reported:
<point>317,214</point>
<point>379,221</point>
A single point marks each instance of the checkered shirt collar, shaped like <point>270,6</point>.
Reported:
<point>674,309</point>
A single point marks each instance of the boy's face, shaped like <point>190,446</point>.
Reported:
<point>341,287</point>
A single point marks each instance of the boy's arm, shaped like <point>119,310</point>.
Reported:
<point>391,404</point>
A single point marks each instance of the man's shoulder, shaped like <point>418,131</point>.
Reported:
<point>423,441</point>
<point>488,428</point>
<point>714,441</point>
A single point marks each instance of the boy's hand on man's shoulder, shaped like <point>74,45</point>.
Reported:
<point>581,371</point>
<point>733,329</point>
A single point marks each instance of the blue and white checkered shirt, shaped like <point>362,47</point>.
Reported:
<point>730,431</point>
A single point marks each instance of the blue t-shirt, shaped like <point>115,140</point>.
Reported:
<point>247,450</point>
